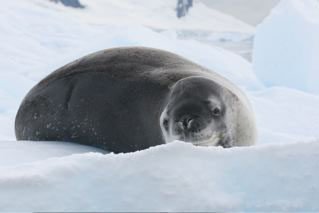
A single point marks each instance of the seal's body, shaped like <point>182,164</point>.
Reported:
<point>128,99</point>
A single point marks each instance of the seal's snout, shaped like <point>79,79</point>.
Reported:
<point>189,124</point>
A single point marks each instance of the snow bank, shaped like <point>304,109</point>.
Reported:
<point>173,177</point>
<point>21,152</point>
<point>286,46</point>
<point>285,115</point>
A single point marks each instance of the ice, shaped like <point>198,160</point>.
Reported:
<point>286,46</point>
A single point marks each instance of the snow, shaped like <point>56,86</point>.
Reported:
<point>21,152</point>
<point>286,46</point>
<point>286,115</point>
<point>173,177</point>
<point>279,174</point>
<point>160,15</point>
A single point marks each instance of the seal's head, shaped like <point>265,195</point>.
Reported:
<point>196,113</point>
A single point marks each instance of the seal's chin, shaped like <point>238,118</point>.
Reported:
<point>206,137</point>
<point>213,140</point>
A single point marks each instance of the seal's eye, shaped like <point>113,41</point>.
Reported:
<point>165,124</point>
<point>216,112</point>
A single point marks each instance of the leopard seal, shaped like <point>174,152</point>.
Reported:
<point>132,98</point>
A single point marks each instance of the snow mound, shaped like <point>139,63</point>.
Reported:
<point>22,152</point>
<point>285,115</point>
<point>286,46</point>
<point>172,177</point>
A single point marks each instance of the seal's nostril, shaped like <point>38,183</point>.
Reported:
<point>181,125</point>
<point>191,123</point>
<point>185,123</point>
<point>188,124</point>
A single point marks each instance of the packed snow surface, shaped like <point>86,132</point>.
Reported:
<point>286,46</point>
<point>280,173</point>
<point>173,177</point>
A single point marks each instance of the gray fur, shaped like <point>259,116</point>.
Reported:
<point>113,99</point>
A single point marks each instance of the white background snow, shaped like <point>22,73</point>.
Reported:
<point>280,173</point>
<point>289,62</point>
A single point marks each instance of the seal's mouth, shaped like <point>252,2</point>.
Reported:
<point>203,139</point>
<point>212,141</point>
